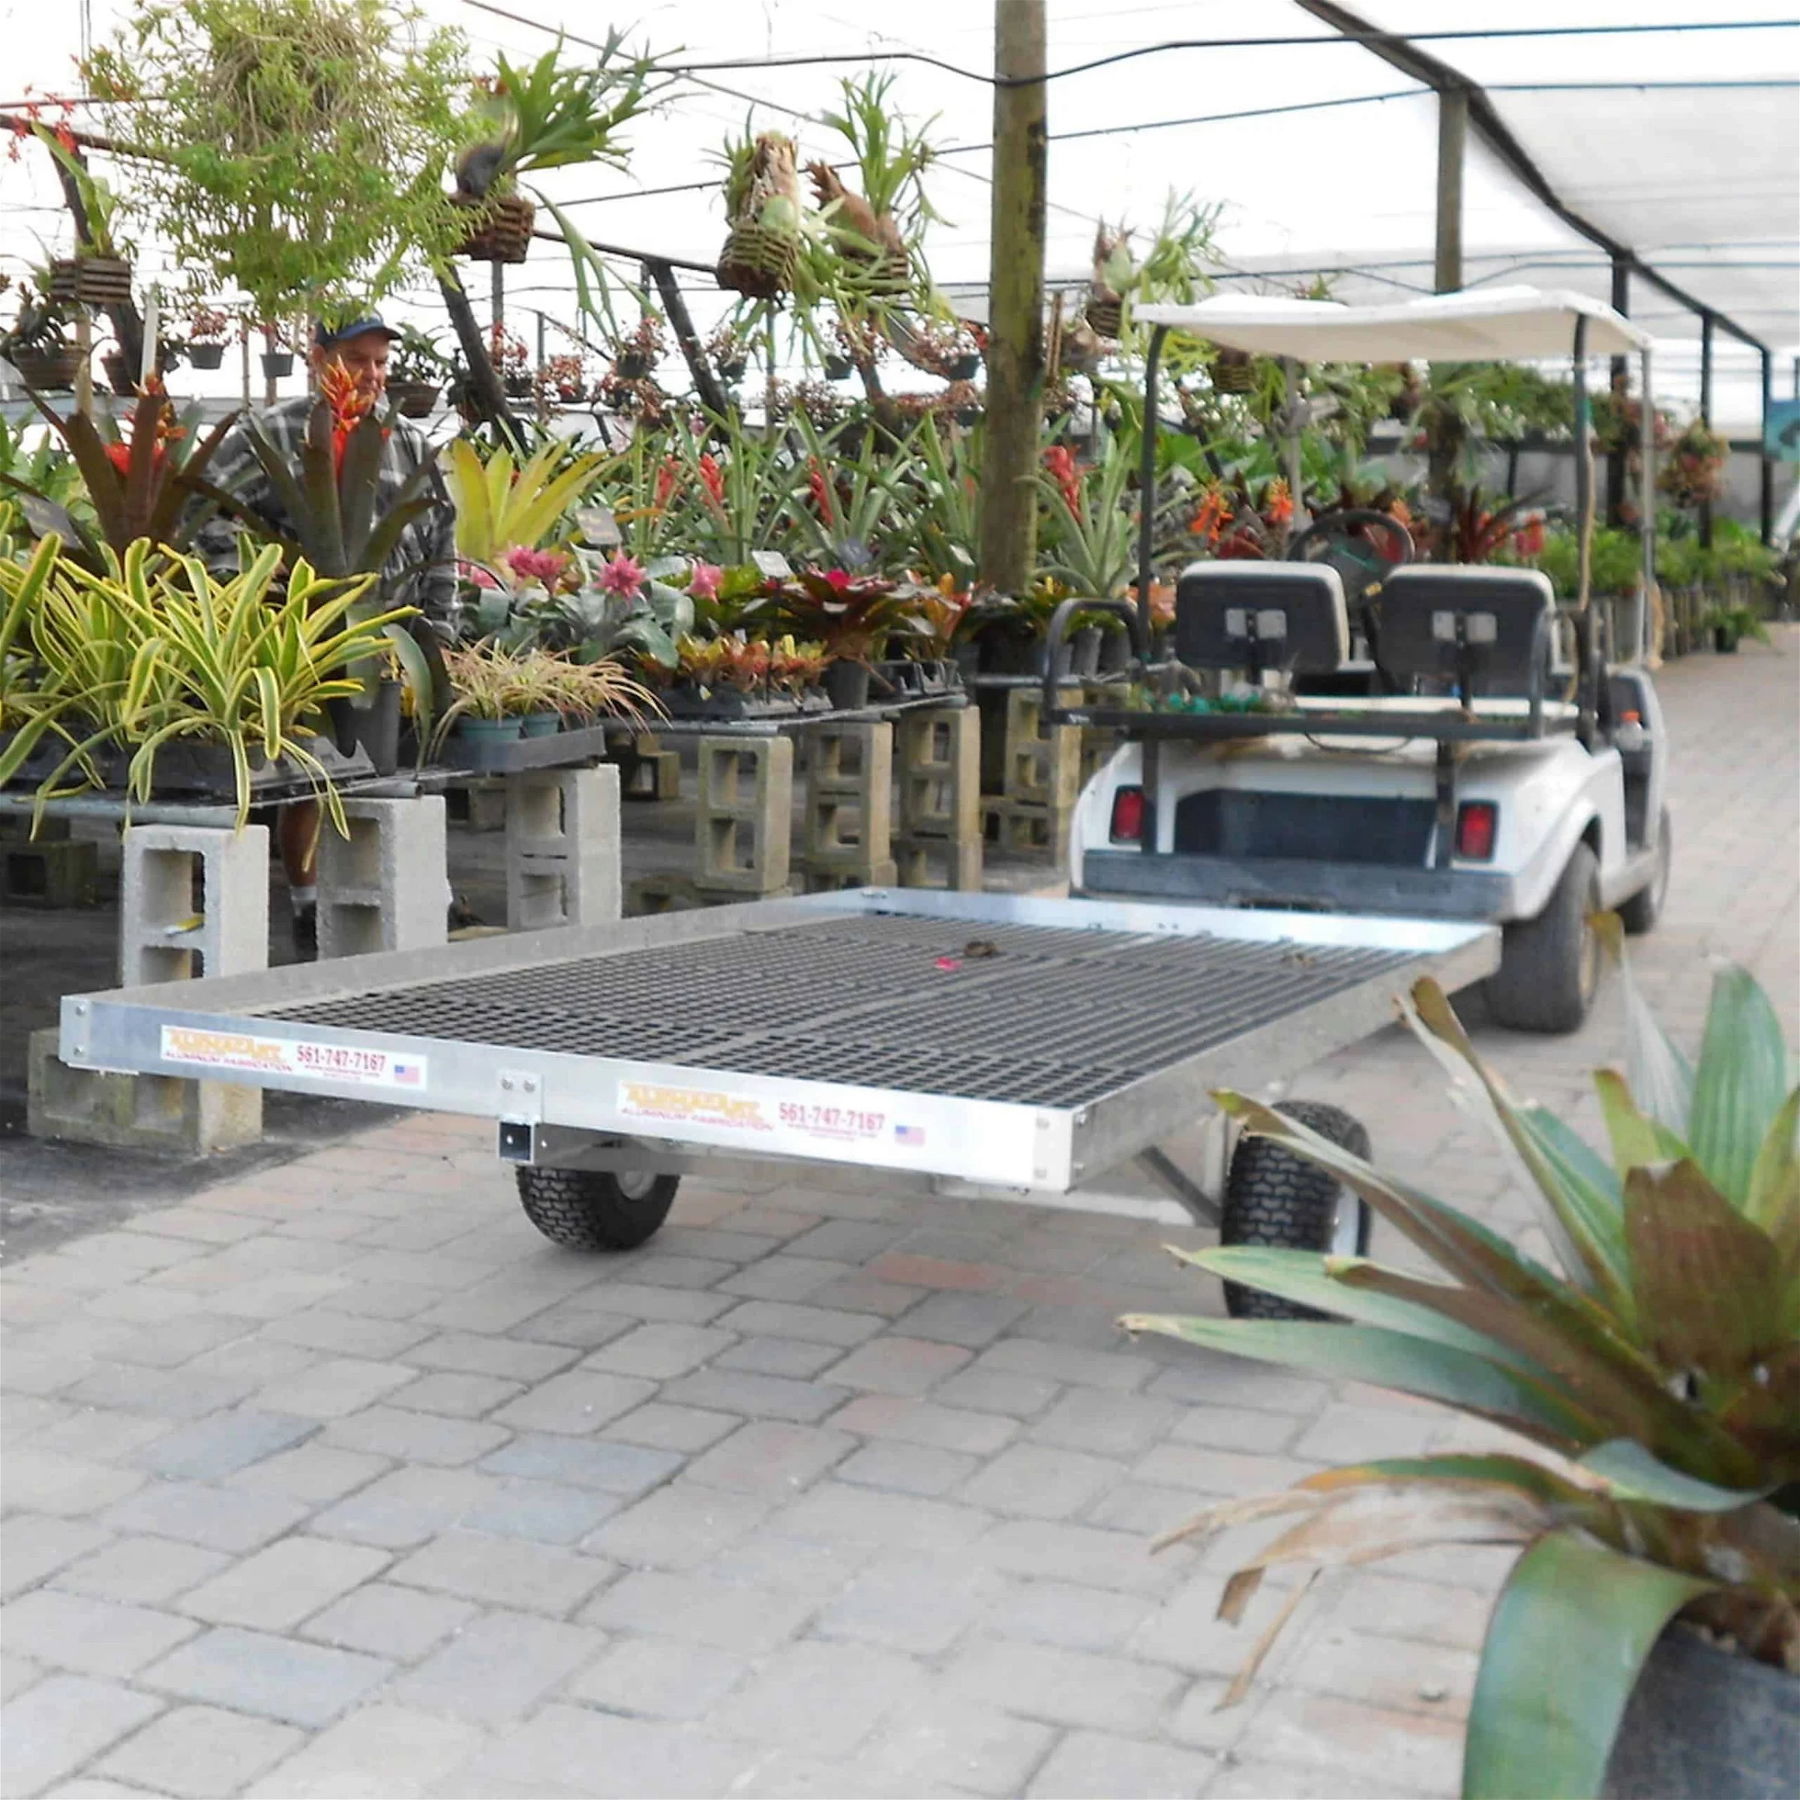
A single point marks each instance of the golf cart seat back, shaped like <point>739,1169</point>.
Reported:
<point>1473,631</point>
<point>1261,615</point>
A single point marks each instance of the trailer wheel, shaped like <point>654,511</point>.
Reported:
<point>1640,913</point>
<point>1550,966</point>
<point>1274,1196</point>
<point>592,1209</point>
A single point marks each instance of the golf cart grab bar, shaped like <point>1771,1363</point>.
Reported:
<point>1058,632</point>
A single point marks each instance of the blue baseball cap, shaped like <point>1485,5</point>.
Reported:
<point>325,336</point>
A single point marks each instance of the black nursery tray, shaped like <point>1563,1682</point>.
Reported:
<point>203,770</point>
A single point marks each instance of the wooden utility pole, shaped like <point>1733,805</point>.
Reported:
<point>1015,357</point>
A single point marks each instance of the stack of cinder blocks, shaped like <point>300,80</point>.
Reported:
<point>49,870</point>
<point>195,901</point>
<point>743,821</point>
<point>384,887</point>
<point>848,835</point>
<point>938,839</point>
<point>1041,779</point>
<point>562,847</point>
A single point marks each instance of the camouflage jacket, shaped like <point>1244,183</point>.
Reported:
<point>422,567</point>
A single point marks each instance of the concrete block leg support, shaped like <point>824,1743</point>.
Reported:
<point>385,886</point>
<point>744,820</point>
<point>562,847</point>
<point>849,831</point>
<point>938,841</point>
<point>194,900</point>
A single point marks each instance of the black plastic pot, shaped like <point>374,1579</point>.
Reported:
<point>1084,651</point>
<point>414,399</point>
<point>1702,1721</point>
<point>206,356</point>
<point>1725,640</point>
<point>964,368</point>
<point>1115,652</point>
<point>632,365</point>
<point>839,368</point>
<point>732,370</point>
<point>1003,655</point>
<point>847,685</point>
<point>276,363</point>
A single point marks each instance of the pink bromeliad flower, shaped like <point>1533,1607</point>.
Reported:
<point>703,584</point>
<point>622,576</point>
<point>546,566</point>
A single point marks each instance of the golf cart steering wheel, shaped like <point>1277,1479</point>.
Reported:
<point>1363,545</point>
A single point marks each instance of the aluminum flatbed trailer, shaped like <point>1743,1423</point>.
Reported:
<point>1022,1045</point>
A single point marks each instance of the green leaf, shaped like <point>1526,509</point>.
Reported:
<point>1387,1359</point>
<point>1636,1474</point>
<point>1739,1084</point>
<point>1659,1075</point>
<point>1773,1200</point>
<point>1637,1142</point>
<point>1567,1640</point>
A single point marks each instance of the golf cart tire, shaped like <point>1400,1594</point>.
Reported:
<point>1549,966</point>
<point>1276,1197</point>
<point>1640,913</point>
<point>588,1209</point>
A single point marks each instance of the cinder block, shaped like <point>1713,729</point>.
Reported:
<point>848,807</point>
<point>135,1112</point>
<point>931,862</point>
<point>647,771</point>
<point>49,873</point>
<point>562,847</point>
<point>677,893</point>
<point>744,821</point>
<point>479,804</point>
<point>193,900</point>
<point>938,841</point>
<point>1025,828</point>
<point>1043,763</point>
<point>384,887</point>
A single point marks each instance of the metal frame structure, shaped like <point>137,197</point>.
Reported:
<point>1022,1044</point>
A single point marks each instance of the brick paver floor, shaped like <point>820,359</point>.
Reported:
<point>339,1481</point>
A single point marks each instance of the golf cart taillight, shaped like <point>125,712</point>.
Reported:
<point>1476,823</point>
<point>1127,816</point>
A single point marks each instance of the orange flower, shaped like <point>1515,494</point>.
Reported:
<point>1210,517</point>
<point>1066,473</point>
<point>350,404</point>
<point>1278,503</point>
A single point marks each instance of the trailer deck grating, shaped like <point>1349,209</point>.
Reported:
<point>1047,1016</point>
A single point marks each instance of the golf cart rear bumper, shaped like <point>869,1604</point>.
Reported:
<point>1298,885</point>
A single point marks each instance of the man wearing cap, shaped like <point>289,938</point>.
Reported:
<point>422,566</point>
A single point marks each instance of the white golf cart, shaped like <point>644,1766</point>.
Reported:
<point>1349,731</point>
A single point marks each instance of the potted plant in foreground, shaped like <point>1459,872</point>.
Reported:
<point>1660,1371</point>
<point>209,330</point>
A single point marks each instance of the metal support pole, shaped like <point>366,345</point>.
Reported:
<point>1147,480</point>
<point>1621,388</point>
<point>1290,442</point>
<point>1706,409</point>
<point>1646,511</point>
<point>1584,467</point>
<point>1765,500</point>
<point>1016,297</point>
<point>706,383</point>
<point>484,384</point>
<point>1453,132</point>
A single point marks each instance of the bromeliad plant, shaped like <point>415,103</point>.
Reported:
<point>1660,1368</point>
<point>148,652</point>
<point>503,505</point>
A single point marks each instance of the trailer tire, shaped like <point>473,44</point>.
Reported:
<point>1640,913</point>
<point>1276,1197</point>
<point>1550,966</point>
<point>593,1209</point>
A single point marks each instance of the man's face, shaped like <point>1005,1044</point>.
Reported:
<point>364,358</point>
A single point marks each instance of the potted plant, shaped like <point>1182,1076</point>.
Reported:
<point>762,203</point>
<point>543,115</point>
<point>278,350</point>
<point>640,352</point>
<point>565,379</point>
<point>37,343</point>
<point>502,693</point>
<point>1115,274</point>
<point>852,617</point>
<point>728,353</point>
<point>1657,1367</point>
<point>511,360</point>
<point>292,150</point>
<point>99,273</point>
<point>417,372</point>
<point>209,330</point>
<point>1730,622</point>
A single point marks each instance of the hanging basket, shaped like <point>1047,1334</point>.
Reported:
<point>120,376</point>
<point>1233,373</point>
<point>414,399</point>
<point>90,281</point>
<point>504,232</point>
<point>758,262</point>
<point>1107,317</point>
<point>206,356</point>
<point>49,371</point>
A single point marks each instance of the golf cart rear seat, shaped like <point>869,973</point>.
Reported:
<point>1468,631</point>
<point>1257,616</point>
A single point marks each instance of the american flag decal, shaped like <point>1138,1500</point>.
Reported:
<point>407,1074</point>
<point>909,1134</point>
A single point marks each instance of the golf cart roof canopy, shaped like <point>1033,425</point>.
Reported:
<point>1494,325</point>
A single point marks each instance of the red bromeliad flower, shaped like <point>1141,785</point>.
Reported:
<point>167,432</point>
<point>350,403</point>
<point>1059,459</point>
<point>668,478</point>
<point>823,498</point>
<point>712,478</point>
<point>1210,517</point>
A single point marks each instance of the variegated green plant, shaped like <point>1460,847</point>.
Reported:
<point>1660,1369</point>
<point>157,649</point>
<point>502,505</point>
